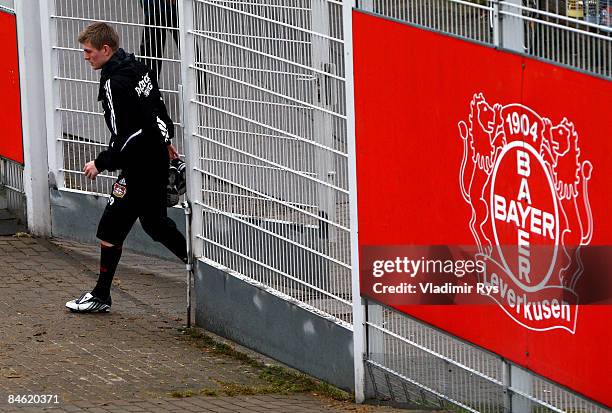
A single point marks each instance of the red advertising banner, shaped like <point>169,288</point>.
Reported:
<point>491,173</point>
<point>11,143</point>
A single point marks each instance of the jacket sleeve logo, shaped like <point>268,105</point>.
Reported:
<point>119,190</point>
<point>144,86</point>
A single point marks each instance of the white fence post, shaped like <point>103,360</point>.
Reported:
<point>55,152</point>
<point>189,118</point>
<point>496,23</point>
<point>372,344</point>
<point>522,381</point>
<point>33,106</point>
<point>512,28</point>
<point>323,125</point>
<point>359,337</point>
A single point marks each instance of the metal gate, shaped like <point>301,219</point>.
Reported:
<point>265,87</point>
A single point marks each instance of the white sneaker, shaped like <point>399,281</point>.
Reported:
<point>87,303</point>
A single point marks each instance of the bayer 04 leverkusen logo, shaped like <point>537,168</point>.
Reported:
<point>527,185</point>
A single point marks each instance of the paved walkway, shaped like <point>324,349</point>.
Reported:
<point>130,360</point>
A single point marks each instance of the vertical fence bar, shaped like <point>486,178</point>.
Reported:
<point>496,22</point>
<point>359,336</point>
<point>506,378</point>
<point>189,118</point>
<point>53,121</point>
<point>512,28</point>
<point>522,381</point>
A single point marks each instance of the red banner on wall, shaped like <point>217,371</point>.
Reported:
<point>11,144</point>
<point>501,161</point>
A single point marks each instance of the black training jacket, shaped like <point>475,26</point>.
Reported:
<point>135,114</point>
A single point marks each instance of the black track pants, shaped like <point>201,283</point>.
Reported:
<point>137,200</point>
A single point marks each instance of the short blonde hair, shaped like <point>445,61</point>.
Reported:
<point>100,34</point>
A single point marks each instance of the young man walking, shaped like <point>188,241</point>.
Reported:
<point>139,147</point>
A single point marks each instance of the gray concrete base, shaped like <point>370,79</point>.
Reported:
<point>15,203</point>
<point>270,325</point>
<point>75,216</point>
<point>8,223</point>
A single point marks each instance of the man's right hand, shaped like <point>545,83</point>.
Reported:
<point>172,152</point>
<point>90,170</point>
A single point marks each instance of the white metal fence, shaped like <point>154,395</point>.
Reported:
<point>538,28</point>
<point>410,362</point>
<point>260,87</point>
<point>11,184</point>
<point>270,125</point>
<point>79,125</point>
<point>269,128</point>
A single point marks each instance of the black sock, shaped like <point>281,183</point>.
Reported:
<point>109,258</point>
